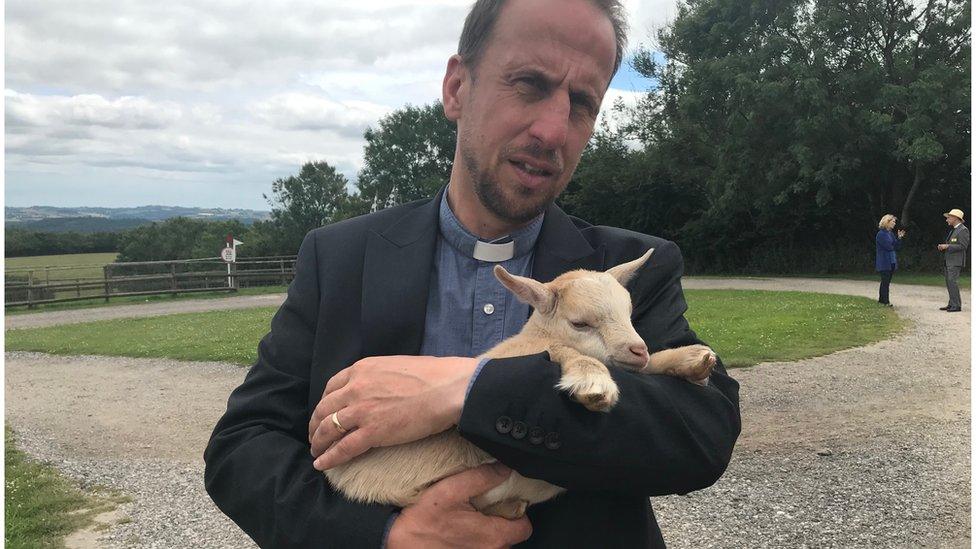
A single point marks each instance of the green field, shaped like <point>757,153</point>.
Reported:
<point>41,507</point>
<point>744,327</point>
<point>924,279</point>
<point>89,265</point>
<point>137,299</point>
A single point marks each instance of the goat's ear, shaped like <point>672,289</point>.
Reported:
<point>527,290</point>
<point>626,271</point>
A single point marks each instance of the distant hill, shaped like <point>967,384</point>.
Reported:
<point>87,220</point>
<point>85,225</point>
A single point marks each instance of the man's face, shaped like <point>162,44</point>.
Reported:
<point>528,109</point>
<point>951,220</point>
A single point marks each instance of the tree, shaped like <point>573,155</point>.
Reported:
<point>176,238</point>
<point>408,157</point>
<point>802,122</point>
<point>317,196</point>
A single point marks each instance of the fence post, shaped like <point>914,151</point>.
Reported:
<point>78,287</point>
<point>30,289</point>
<point>283,272</point>
<point>172,272</point>
<point>106,277</point>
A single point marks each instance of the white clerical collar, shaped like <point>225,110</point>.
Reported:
<point>494,253</point>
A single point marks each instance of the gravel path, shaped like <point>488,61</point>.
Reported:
<point>74,316</point>
<point>867,447</point>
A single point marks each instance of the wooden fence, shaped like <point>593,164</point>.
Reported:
<point>40,285</point>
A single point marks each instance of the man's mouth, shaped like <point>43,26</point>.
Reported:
<point>536,171</point>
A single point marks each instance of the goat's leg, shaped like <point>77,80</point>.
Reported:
<point>585,378</point>
<point>691,362</point>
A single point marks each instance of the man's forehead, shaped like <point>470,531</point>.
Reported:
<point>554,33</point>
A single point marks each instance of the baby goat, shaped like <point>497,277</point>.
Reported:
<point>582,318</point>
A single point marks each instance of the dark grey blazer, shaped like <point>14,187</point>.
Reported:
<point>361,290</point>
<point>958,241</point>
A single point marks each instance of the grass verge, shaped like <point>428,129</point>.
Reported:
<point>41,507</point>
<point>97,303</point>
<point>745,327</point>
<point>923,279</point>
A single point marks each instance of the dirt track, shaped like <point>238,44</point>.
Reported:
<point>867,447</point>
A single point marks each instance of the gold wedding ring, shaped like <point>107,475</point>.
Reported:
<point>338,426</point>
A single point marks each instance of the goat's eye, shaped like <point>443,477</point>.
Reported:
<point>580,325</point>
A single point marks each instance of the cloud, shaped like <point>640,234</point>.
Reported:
<point>303,111</point>
<point>89,110</point>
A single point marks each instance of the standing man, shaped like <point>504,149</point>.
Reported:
<point>332,377</point>
<point>956,244</point>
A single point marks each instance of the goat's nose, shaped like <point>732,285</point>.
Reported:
<point>639,351</point>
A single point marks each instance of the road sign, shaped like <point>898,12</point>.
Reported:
<point>229,255</point>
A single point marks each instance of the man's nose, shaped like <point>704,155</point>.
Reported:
<point>551,124</point>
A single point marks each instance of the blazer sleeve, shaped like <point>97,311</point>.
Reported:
<point>664,436</point>
<point>258,464</point>
<point>962,241</point>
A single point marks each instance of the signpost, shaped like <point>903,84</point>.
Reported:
<point>229,255</point>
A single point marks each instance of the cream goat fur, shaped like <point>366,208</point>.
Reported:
<point>600,306</point>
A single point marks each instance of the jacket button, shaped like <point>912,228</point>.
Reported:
<point>503,425</point>
<point>537,435</point>
<point>552,441</point>
<point>519,430</point>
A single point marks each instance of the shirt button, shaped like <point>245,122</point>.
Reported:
<point>503,425</point>
<point>488,308</point>
<point>519,430</point>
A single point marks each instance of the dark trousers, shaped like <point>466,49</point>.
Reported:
<point>952,284</point>
<point>885,283</point>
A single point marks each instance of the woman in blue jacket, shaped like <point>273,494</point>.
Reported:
<point>885,262</point>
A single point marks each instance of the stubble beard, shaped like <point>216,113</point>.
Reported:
<point>519,209</point>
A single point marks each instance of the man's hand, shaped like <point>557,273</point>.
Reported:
<point>443,516</point>
<point>942,247</point>
<point>387,400</point>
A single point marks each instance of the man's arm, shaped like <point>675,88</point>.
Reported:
<point>664,436</point>
<point>258,468</point>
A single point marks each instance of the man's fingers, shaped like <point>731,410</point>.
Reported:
<point>512,531</point>
<point>326,434</point>
<point>330,403</point>
<point>348,447</point>
<point>338,381</point>
<point>473,482</point>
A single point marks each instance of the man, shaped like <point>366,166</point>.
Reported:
<point>524,89</point>
<point>954,248</point>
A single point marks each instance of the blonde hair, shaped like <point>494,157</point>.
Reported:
<point>887,218</point>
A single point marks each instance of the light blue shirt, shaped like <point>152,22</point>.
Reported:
<point>468,309</point>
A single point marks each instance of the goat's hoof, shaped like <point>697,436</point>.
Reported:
<point>511,509</point>
<point>697,364</point>
<point>595,393</point>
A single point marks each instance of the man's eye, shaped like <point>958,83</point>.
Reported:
<point>581,324</point>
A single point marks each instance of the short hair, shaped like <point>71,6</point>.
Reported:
<point>480,23</point>
<point>885,219</point>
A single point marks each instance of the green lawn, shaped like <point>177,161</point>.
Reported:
<point>744,327</point>
<point>92,263</point>
<point>40,506</point>
<point>131,300</point>
<point>924,279</point>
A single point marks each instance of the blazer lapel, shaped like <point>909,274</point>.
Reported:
<point>396,281</point>
<point>561,247</point>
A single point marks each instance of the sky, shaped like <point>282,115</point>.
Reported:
<point>205,103</point>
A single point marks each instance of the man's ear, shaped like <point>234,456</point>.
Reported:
<point>528,290</point>
<point>455,81</point>
<point>626,271</point>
